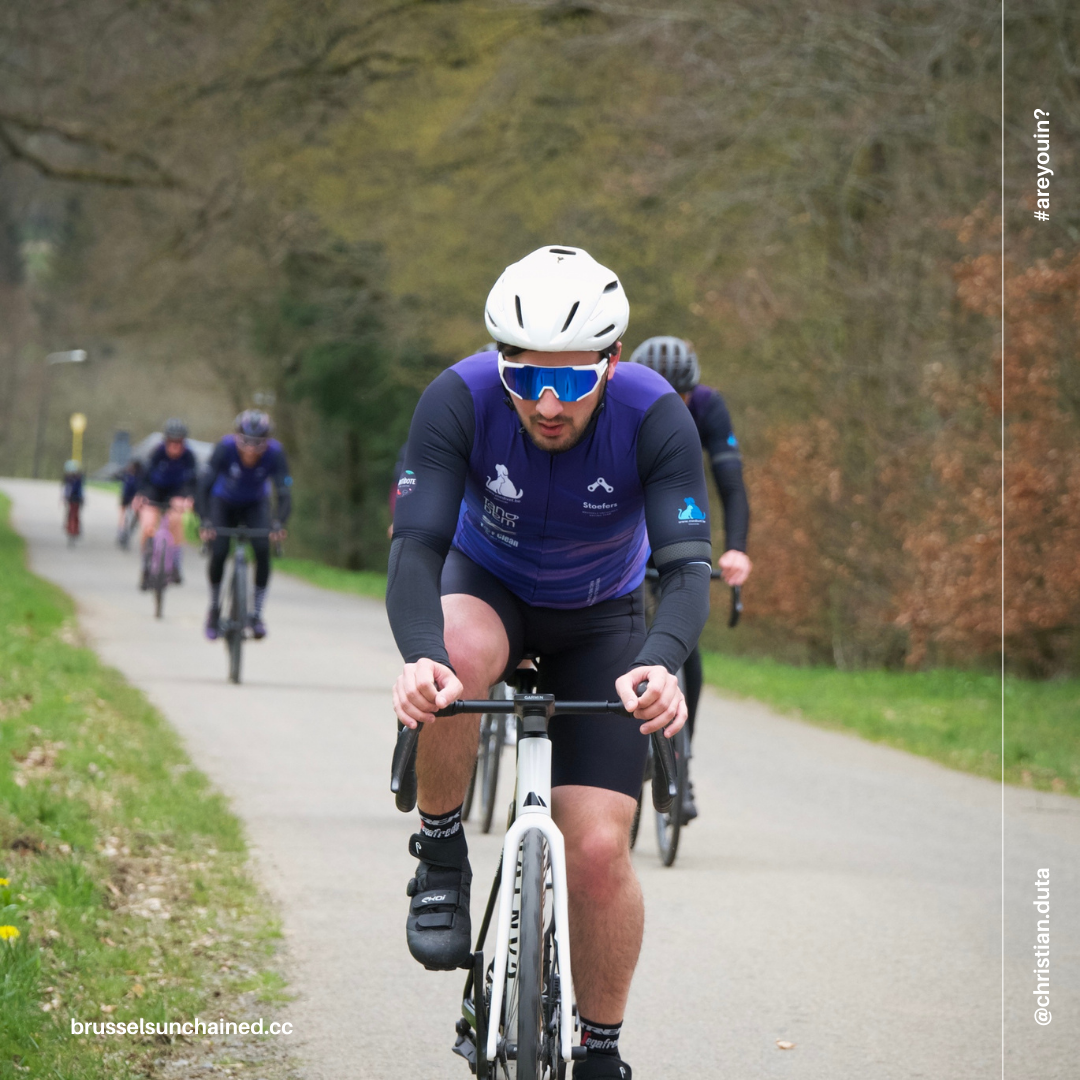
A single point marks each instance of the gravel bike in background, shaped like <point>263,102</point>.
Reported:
<point>517,1013</point>
<point>164,555</point>
<point>485,777</point>
<point>235,624</point>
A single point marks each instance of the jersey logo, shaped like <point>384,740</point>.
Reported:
<point>601,482</point>
<point>692,512</point>
<point>502,485</point>
<point>732,441</point>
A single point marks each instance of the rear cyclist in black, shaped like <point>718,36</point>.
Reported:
<point>676,360</point>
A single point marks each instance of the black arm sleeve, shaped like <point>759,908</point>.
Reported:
<point>206,480</point>
<point>283,489</point>
<point>426,514</point>
<point>676,515</point>
<point>718,439</point>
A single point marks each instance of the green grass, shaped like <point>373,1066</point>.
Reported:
<point>123,873</point>
<point>951,716</point>
<point>359,582</point>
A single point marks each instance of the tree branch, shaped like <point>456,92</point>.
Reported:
<point>80,136</point>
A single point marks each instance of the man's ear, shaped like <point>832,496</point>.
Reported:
<point>613,359</point>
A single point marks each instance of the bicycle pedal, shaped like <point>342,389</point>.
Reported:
<point>577,1053</point>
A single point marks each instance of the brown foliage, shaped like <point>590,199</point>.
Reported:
<point>956,597</point>
<point>941,500</point>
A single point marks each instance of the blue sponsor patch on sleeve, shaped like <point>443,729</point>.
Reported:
<point>691,512</point>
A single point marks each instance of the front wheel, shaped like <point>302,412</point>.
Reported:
<point>525,989</point>
<point>158,574</point>
<point>237,618</point>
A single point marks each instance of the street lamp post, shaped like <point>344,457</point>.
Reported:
<point>71,356</point>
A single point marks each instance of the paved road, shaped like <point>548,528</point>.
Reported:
<point>841,896</point>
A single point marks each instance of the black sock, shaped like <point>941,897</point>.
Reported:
<point>600,1038</point>
<point>440,826</point>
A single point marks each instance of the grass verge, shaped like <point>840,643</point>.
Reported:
<point>358,582</point>
<point>951,716</point>
<point>124,888</point>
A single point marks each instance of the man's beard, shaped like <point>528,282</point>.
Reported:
<point>576,437</point>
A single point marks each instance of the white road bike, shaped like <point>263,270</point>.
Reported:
<point>518,1017</point>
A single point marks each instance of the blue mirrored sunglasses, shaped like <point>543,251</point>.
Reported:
<point>528,382</point>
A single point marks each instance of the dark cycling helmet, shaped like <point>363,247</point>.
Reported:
<point>673,358</point>
<point>253,423</point>
<point>175,429</point>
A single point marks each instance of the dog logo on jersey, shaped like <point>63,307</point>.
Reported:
<point>692,512</point>
<point>502,485</point>
<point>601,482</point>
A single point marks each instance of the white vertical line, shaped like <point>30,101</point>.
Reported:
<point>1002,539</point>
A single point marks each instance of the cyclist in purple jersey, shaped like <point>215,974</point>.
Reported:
<point>537,479</point>
<point>169,480</point>
<point>235,490</point>
<point>130,482</point>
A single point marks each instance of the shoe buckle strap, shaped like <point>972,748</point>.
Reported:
<point>435,920</point>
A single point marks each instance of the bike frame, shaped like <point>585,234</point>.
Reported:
<point>533,811</point>
<point>532,806</point>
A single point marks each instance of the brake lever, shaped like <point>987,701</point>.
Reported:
<point>403,768</point>
<point>736,606</point>
<point>664,781</point>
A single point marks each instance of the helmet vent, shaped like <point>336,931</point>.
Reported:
<point>561,251</point>
<point>494,322</point>
<point>611,286</point>
<point>570,317</point>
<point>517,304</point>
<point>606,330</point>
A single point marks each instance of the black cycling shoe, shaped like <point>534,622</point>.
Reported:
<point>438,929</point>
<point>601,1067</point>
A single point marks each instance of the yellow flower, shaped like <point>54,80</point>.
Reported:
<point>8,933</point>
<point>4,881</point>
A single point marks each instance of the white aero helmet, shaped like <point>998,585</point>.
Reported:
<point>558,299</point>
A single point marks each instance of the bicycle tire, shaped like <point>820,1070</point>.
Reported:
<point>237,617</point>
<point>525,997</point>
<point>491,755</point>
<point>158,575</point>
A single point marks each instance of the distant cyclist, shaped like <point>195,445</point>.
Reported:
<point>130,482</point>
<point>235,491</point>
<point>676,360</point>
<point>73,496</point>
<point>169,480</point>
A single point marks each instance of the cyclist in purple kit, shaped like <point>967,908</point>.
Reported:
<point>235,490</point>
<point>676,360</point>
<point>538,478</point>
<point>169,481</point>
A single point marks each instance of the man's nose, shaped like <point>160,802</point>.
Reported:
<point>549,405</point>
